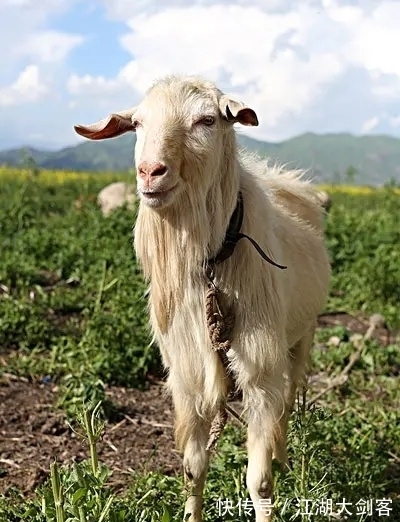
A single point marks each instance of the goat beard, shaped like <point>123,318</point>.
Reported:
<point>173,243</point>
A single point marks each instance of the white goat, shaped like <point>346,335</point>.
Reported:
<point>189,175</point>
<point>326,200</point>
<point>115,195</point>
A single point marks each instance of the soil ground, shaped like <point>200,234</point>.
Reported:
<point>140,437</point>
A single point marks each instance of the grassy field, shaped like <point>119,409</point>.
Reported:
<point>72,312</point>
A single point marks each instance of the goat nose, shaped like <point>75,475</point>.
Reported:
<point>147,169</point>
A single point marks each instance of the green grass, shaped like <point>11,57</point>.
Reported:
<point>364,240</point>
<point>72,308</point>
<point>82,333</point>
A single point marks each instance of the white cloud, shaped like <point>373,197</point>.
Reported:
<point>385,87</point>
<point>27,88</point>
<point>24,34</point>
<point>279,80</point>
<point>44,8</point>
<point>90,85</point>
<point>376,40</point>
<point>278,56</point>
<point>32,71</point>
<point>320,65</point>
<point>48,46</point>
<point>127,9</point>
<point>395,121</point>
<point>369,125</point>
<point>17,3</point>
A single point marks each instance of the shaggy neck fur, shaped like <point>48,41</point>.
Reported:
<point>172,243</point>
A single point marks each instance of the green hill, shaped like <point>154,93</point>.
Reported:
<point>375,159</point>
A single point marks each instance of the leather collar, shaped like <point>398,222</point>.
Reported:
<point>232,236</point>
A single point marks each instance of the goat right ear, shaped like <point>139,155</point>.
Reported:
<point>234,110</point>
<point>115,125</point>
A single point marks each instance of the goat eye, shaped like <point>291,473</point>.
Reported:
<point>207,120</point>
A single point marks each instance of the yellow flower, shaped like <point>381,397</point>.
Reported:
<point>57,177</point>
<point>354,190</point>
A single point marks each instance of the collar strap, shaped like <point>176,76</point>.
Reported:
<point>233,235</point>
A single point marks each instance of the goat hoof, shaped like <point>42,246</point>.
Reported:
<point>265,490</point>
<point>188,473</point>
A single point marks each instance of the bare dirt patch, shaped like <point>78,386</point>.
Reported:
<point>33,433</point>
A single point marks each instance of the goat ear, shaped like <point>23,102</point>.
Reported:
<point>236,111</point>
<point>110,127</point>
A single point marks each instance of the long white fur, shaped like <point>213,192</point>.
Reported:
<point>276,310</point>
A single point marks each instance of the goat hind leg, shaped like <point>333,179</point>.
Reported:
<point>298,365</point>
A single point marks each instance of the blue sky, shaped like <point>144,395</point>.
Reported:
<point>309,65</point>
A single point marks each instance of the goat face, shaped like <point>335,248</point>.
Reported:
<point>183,126</point>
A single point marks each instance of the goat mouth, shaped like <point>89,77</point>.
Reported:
<point>152,195</point>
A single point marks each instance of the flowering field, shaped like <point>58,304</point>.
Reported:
<point>65,176</point>
<point>73,332</point>
<point>57,177</point>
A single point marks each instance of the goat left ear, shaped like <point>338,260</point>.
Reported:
<point>236,111</point>
<point>110,127</point>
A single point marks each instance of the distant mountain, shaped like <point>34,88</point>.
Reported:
<point>107,155</point>
<point>374,159</point>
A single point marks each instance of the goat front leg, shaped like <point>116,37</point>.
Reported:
<point>191,435</point>
<point>266,405</point>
